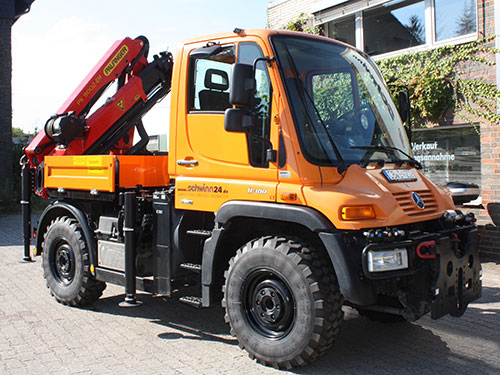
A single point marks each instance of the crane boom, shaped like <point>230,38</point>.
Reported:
<point>110,128</point>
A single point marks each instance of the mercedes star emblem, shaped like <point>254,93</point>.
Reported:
<point>417,199</point>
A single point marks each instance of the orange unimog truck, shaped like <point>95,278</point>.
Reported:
<point>288,191</point>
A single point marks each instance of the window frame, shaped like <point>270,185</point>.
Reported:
<point>267,130</point>
<point>191,81</point>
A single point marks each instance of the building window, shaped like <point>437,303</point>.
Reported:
<point>454,18</point>
<point>449,154</point>
<point>343,29</point>
<point>393,26</point>
<point>397,25</point>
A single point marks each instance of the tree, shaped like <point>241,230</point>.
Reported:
<point>466,24</point>
<point>416,29</point>
<point>18,133</point>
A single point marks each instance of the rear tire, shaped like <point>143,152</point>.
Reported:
<point>282,301</point>
<point>66,266</point>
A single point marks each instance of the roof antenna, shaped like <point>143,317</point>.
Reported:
<point>237,31</point>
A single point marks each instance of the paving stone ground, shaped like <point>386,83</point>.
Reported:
<point>40,336</point>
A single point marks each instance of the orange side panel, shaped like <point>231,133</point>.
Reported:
<point>208,194</point>
<point>98,172</point>
<point>147,171</point>
<point>80,172</point>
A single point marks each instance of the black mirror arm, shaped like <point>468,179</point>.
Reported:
<point>267,59</point>
<point>407,89</point>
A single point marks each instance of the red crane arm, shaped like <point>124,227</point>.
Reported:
<point>122,61</point>
<point>118,58</point>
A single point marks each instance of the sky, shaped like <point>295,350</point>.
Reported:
<point>58,42</point>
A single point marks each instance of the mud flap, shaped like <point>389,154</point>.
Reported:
<point>459,281</point>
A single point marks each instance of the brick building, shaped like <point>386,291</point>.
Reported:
<point>385,28</point>
<point>5,106</point>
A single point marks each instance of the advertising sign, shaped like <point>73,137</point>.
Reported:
<point>449,154</point>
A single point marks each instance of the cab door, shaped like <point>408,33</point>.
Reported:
<point>215,166</point>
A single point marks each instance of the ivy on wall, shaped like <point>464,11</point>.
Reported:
<point>436,84</point>
<point>434,79</point>
<point>300,24</point>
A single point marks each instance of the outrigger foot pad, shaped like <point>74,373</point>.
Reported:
<point>130,302</point>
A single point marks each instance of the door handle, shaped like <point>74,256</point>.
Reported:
<point>187,162</point>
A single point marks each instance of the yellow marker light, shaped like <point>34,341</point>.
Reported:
<point>92,268</point>
<point>288,196</point>
<point>34,252</point>
<point>357,212</point>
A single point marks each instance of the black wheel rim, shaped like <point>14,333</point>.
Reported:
<point>63,262</point>
<point>268,303</point>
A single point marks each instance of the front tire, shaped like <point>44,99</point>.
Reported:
<point>282,301</point>
<point>66,266</point>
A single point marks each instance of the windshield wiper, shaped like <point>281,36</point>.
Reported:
<point>411,161</point>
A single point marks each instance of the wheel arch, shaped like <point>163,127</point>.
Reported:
<point>238,222</point>
<point>314,220</point>
<point>58,209</point>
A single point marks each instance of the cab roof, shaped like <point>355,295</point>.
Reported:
<point>261,33</point>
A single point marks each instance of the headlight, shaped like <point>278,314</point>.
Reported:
<point>387,260</point>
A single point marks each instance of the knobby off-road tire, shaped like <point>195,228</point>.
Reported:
<point>66,266</point>
<point>282,301</point>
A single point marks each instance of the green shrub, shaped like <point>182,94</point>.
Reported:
<point>10,195</point>
<point>299,24</point>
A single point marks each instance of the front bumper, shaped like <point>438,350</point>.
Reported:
<point>443,274</point>
<point>459,279</point>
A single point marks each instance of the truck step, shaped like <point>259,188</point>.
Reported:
<point>191,300</point>
<point>191,267</point>
<point>199,232</point>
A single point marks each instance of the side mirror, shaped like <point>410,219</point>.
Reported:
<point>242,85</point>
<point>404,106</point>
<point>237,120</point>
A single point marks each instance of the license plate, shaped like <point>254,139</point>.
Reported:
<point>399,175</point>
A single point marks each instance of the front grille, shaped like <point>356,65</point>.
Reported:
<point>411,209</point>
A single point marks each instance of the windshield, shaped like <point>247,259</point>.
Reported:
<point>339,103</point>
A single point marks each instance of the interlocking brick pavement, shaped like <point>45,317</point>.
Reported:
<point>40,336</point>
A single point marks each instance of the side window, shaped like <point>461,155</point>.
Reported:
<point>258,137</point>
<point>209,81</point>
